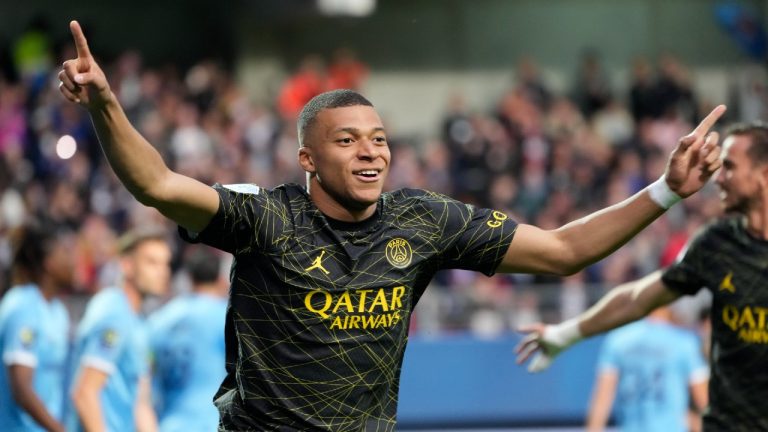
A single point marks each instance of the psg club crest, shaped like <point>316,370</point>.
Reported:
<point>399,252</point>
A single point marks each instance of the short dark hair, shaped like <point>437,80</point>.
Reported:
<point>330,99</point>
<point>757,131</point>
<point>128,242</point>
<point>32,243</point>
<point>203,264</point>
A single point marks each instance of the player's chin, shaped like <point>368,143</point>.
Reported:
<point>366,197</point>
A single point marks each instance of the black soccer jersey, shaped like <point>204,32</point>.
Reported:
<point>319,309</point>
<point>733,265</point>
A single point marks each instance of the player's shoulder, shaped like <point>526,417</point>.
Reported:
<point>168,311</point>
<point>108,307</point>
<point>407,197</point>
<point>286,189</point>
<point>713,231</point>
<point>415,194</point>
<point>19,294</point>
<point>240,188</point>
<point>18,302</point>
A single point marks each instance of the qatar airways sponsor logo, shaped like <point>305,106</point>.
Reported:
<point>365,309</point>
<point>749,322</point>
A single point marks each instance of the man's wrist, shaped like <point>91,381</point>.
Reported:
<point>661,194</point>
<point>564,334</point>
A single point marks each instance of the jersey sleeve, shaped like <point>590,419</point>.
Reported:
<point>102,347</point>
<point>475,238</point>
<point>608,360</point>
<point>22,336</point>
<point>248,217</point>
<point>684,276</point>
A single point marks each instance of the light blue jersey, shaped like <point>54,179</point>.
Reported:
<point>656,362</point>
<point>34,332</point>
<point>188,350</point>
<point>112,338</point>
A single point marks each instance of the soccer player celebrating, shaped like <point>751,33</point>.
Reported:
<point>326,276</point>
<point>728,257</point>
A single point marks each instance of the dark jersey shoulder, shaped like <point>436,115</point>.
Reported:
<point>715,242</point>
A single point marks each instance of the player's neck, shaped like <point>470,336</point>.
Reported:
<point>48,288</point>
<point>134,296</point>
<point>757,222</point>
<point>336,210</point>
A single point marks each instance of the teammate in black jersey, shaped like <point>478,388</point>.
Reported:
<point>730,258</point>
<point>326,276</point>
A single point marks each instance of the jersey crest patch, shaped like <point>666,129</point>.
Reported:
<point>399,252</point>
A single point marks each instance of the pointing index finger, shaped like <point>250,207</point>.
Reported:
<point>709,121</point>
<point>81,44</point>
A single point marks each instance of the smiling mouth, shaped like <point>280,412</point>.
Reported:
<point>369,174</point>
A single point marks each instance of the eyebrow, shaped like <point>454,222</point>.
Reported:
<point>356,131</point>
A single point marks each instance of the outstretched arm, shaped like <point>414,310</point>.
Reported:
<point>625,303</point>
<point>572,247</point>
<point>137,164</point>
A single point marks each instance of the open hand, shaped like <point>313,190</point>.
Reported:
<point>533,344</point>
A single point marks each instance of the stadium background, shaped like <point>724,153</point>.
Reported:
<point>485,100</point>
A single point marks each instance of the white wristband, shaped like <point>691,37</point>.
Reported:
<point>661,194</point>
<point>564,334</point>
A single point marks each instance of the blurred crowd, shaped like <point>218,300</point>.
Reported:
<point>541,156</point>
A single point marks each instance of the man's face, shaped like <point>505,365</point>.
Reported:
<point>347,152</point>
<point>148,267</point>
<point>739,178</point>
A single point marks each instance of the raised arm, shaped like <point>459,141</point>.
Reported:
<point>574,246</point>
<point>623,304</point>
<point>137,164</point>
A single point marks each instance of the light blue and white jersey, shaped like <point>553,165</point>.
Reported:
<point>656,362</point>
<point>34,332</point>
<point>187,343</point>
<point>112,338</point>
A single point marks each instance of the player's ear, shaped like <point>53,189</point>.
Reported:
<point>305,159</point>
<point>763,177</point>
